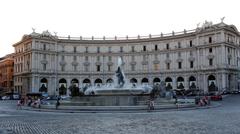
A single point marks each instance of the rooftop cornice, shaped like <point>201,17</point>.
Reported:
<point>206,27</point>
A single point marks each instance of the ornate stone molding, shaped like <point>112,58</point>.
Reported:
<point>86,63</point>
<point>74,63</point>
<point>44,62</point>
<point>156,62</point>
<point>168,61</point>
<point>110,63</point>
<point>210,56</point>
<point>179,60</point>
<point>98,63</point>
<point>144,62</point>
<point>133,62</point>
<point>191,58</point>
<point>62,63</point>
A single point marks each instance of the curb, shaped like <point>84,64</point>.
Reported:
<point>162,109</point>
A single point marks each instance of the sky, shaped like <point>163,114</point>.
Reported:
<point>108,18</point>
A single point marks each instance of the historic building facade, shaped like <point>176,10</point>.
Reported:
<point>6,74</point>
<point>205,58</point>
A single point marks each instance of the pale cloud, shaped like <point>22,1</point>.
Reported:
<point>108,17</point>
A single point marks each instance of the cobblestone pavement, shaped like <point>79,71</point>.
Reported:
<point>220,120</point>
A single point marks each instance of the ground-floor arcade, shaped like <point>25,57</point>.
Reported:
<point>59,84</point>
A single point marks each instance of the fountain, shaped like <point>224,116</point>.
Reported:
<point>120,85</point>
<point>119,95</point>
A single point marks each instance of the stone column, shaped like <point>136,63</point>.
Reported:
<point>51,86</point>
<point>219,81</point>
<point>38,84</point>
<point>33,62</point>
<point>174,84</point>
<point>234,82</point>
<point>205,83</point>
<point>223,62</point>
<point>186,82</point>
<point>33,83</point>
<point>68,85</point>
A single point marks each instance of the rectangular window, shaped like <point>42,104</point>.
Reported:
<point>190,42</point>
<point>121,49</point>
<point>210,62</point>
<point>191,53</point>
<point>74,49</point>
<point>133,57</point>
<point>86,68</point>
<point>98,68</point>
<point>62,68</point>
<point>179,54</point>
<point>168,66</point>
<point>191,64</point>
<point>63,57</point>
<point>144,48</point>
<point>109,67</point>
<point>44,67</point>
<point>133,67</point>
<point>133,48</point>
<point>179,44</point>
<point>75,68</point>
<point>98,49</point>
<point>44,46</point>
<point>156,47</point>
<point>179,65</point>
<point>167,46</point>
<point>86,58</point>
<point>86,49</point>
<point>74,58</point>
<point>228,50</point>
<point>144,58</point>
<point>98,58</point>
<point>210,50</point>
<point>229,61</point>
<point>109,49</point>
<point>156,67</point>
<point>44,56</point>
<point>167,55</point>
<point>109,58</point>
<point>210,39</point>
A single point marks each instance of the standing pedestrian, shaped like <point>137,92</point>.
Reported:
<point>58,102</point>
<point>19,106</point>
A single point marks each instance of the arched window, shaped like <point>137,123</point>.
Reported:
<point>133,80</point>
<point>110,80</point>
<point>144,80</point>
<point>62,87</point>
<point>75,82</point>
<point>43,85</point>
<point>156,80</point>
<point>212,83</point>
<point>168,82</point>
<point>180,83</point>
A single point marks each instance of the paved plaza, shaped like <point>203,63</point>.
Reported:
<point>220,120</point>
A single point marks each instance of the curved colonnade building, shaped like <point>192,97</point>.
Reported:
<point>205,58</point>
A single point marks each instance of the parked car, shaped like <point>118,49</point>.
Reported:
<point>52,97</point>
<point>216,97</point>
<point>5,98</point>
<point>226,92</point>
<point>235,92</point>
<point>65,97</point>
